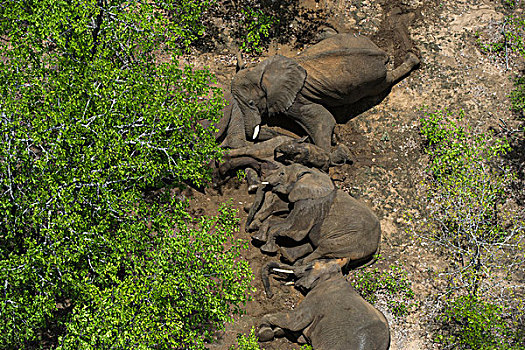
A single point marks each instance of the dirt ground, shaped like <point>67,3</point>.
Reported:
<point>386,148</point>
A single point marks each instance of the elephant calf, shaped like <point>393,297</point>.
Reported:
<point>271,154</point>
<point>332,316</point>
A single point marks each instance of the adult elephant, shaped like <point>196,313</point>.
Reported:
<point>338,71</point>
<point>326,222</point>
<point>332,316</point>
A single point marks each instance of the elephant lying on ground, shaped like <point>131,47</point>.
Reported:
<point>326,221</point>
<point>271,154</point>
<point>332,316</point>
<point>336,72</point>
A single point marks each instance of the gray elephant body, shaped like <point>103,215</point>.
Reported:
<point>336,72</point>
<point>332,316</point>
<point>343,69</point>
<point>284,150</point>
<point>336,225</point>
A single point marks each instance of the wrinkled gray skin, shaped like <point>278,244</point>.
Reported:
<point>336,72</point>
<point>332,316</point>
<point>335,224</point>
<point>282,149</point>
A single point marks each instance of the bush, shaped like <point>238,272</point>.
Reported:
<point>517,96</point>
<point>392,282</point>
<point>90,121</point>
<point>255,29</point>
<point>466,198</point>
<point>249,342</point>
<point>474,226</point>
<point>472,323</point>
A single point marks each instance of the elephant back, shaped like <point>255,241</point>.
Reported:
<point>342,70</point>
<point>349,230</point>
<point>346,320</point>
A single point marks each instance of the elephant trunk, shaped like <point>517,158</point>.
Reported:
<point>273,267</point>
<point>236,136</point>
<point>252,122</point>
<point>222,126</point>
<point>257,204</point>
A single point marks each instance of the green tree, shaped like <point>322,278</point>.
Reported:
<point>475,227</point>
<point>90,121</point>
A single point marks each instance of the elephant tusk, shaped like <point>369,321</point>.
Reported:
<point>283,270</point>
<point>291,283</point>
<point>265,183</point>
<point>256,132</point>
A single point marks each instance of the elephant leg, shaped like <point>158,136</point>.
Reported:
<point>293,253</point>
<point>403,70</point>
<point>259,200</point>
<point>272,204</point>
<point>309,258</point>
<point>295,320</point>
<point>317,121</point>
<point>262,231</point>
<point>297,225</point>
<point>253,180</point>
<point>230,164</point>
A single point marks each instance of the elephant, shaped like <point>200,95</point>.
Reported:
<point>327,222</point>
<point>332,316</point>
<point>269,155</point>
<point>339,71</point>
<point>298,151</point>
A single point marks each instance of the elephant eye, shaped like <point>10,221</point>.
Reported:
<point>251,103</point>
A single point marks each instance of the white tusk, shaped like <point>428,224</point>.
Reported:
<point>282,270</point>
<point>291,283</point>
<point>256,132</point>
<point>265,183</point>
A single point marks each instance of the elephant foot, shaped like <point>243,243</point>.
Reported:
<point>253,180</point>
<point>259,236</point>
<point>269,247</point>
<point>254,226</point>
<point>412,59</point>
<point>291,254</point>
<point>265,334</point>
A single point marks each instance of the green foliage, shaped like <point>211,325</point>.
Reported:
<point>454,149</point>
<point>517,96</point>
<point>89,122</point>
<point>186,17</point>
<point>473,226</point>
<point>466,194</point>
<point>247,342</point>
<point>255,29</point>
<point>472,323</point>
<point>393,282</point>
<point>240,174</point>
<point>512,38</point>
<point>306,347</point>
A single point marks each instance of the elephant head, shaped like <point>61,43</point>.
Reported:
<point>268,88</point>
<point>299,182</point>
<point>306,276</point>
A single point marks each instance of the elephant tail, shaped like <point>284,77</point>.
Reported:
<point>363,263</point>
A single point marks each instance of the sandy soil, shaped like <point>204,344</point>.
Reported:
<point>385,144</point>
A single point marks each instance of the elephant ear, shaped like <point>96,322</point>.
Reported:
<point>311,186</point>
<point>282,79</point>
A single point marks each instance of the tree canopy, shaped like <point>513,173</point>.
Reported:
<point>90,119</point>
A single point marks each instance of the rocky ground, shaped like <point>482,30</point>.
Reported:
<point>386,147</point>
